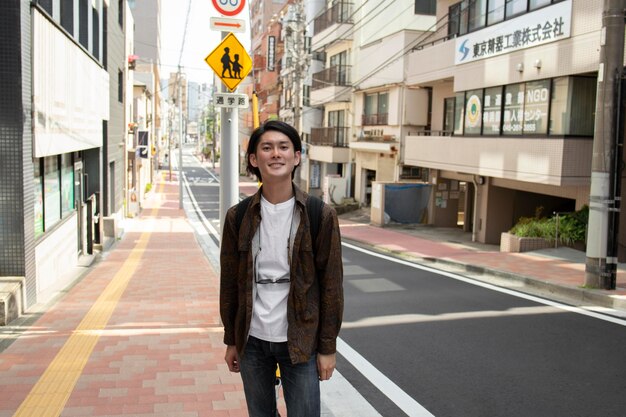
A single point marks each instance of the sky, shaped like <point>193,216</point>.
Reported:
<point>200,40</point>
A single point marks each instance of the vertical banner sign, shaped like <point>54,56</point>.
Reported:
<point>271,50</point>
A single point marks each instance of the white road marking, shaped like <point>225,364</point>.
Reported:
<point>400,398</point>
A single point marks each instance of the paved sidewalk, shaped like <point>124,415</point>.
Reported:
<point>138,336</point>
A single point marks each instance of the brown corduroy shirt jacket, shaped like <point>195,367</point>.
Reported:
<point>315,301</point>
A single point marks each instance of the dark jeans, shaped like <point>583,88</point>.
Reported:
<point>258,372</point>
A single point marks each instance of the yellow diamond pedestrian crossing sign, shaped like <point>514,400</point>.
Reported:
<point>230,61</point>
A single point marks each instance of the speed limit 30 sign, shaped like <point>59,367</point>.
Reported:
<point>229,7</point>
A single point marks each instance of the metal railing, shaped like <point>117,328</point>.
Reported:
<point>338,75</point>
<point>374,119</point>
<point>338,13</point>
<point>329,136</point>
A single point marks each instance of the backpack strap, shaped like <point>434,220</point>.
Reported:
<point>241,209</point>
<point>314,207</point>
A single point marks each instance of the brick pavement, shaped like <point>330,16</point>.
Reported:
<point>159,354</point>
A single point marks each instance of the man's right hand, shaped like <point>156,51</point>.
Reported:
<point>231,358</point>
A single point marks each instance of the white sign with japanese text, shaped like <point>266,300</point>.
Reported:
<point>231,100</point>
<point>549,24</point>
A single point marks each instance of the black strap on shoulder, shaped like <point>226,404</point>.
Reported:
<point>314,207</point>
<point>241,209</point>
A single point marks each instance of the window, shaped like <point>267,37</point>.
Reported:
<point>515,7</point>
<point>454,19</point>
<point>46,5</point>
<point>535,4</point>
<point>376,109</point>
<point>67,15</point>
<point>448,114</point>
<point>339,63</point>
<point>573,104</point>
<point>536,103</point>
<point>513,109</point>
<point>120,12</point>
<point>52,192</point>
<point>38,188</point>
<point>477,16</point>
<point>120,86</point>
<point>67,185</point>
<point>95,28</point>
<point>336,118</point>
<point>562,106</point>
<point>492,111</point>
<point>459,106</point>
<point>83,23</point>
<point>105,31</point>
<point>473,112</point>
<point>495,11</point>
<point>427,7</point>
<point>306,95</point>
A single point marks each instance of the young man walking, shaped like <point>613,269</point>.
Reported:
<point>281,295</point>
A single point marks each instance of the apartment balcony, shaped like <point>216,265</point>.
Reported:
<point>329,144</point>
<point>375,140</point>
<point>329,136</point>
<point>433,63</point>
<point>374,119</point>
<point>332,25</point>
<point>331,85</point>
<point>548,160</point>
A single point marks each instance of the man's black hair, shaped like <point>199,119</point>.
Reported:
<point>271,125</point>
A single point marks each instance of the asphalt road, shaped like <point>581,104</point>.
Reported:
<point>460,349</point>
<point>421,342</point>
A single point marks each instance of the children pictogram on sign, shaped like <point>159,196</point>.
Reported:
<point>230,61</point>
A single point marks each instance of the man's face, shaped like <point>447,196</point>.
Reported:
<point>275,156</point>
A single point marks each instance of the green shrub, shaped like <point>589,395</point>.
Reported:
<point>148,187</point>
<point>572,227</point>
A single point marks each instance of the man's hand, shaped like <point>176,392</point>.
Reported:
<point>232,360</point>
<point>326,365</point>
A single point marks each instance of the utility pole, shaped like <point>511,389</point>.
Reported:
<point>605,196</point>
<point>179,94</point>
<point>299,55</point>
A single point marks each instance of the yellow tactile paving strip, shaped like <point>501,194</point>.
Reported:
<point>51,392</point>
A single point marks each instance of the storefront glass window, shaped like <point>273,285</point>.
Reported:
<point>492,111</point>
<point>52,192</point>
<point>473,112</point>
<point>67,185</point>
<point>38,185</point>
<point>536,107</point>
<point>459,106</point>
<point>513,115</point>
<point>573,106</point>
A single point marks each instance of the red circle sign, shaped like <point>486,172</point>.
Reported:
<point>229,7</point>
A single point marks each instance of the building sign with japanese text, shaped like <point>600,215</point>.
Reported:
<point>271,51</point>
<point>549,24</point>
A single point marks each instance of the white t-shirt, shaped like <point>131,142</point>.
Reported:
<point>269,313</point>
